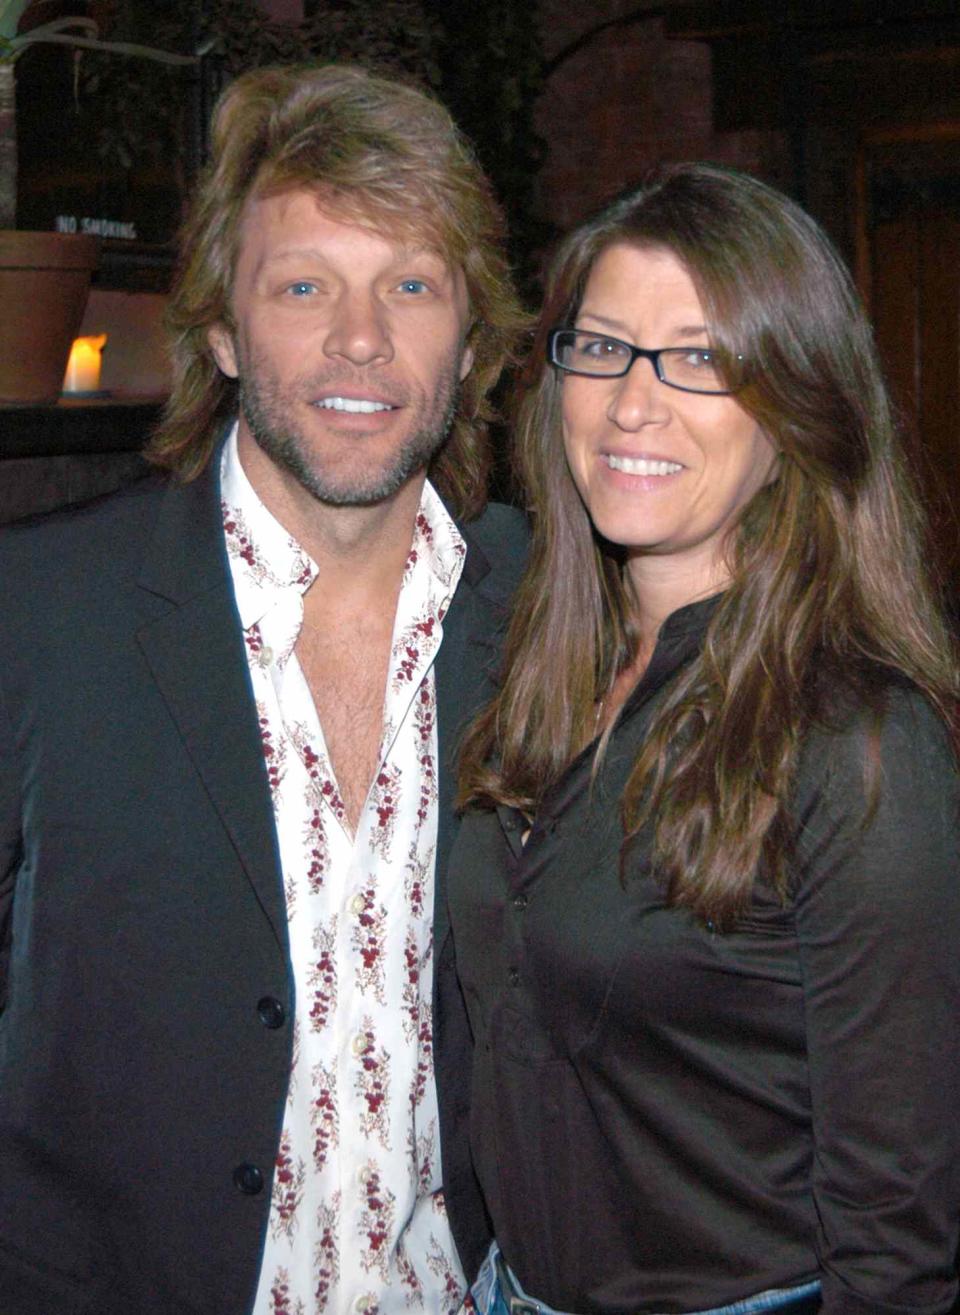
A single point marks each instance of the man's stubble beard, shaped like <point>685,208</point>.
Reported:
<point>285,443</point>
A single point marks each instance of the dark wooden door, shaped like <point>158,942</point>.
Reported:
<point>914,292</point>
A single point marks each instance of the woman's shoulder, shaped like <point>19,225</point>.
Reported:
<point>874,701</point>
<point>876,813</point>
<point>875,739</point>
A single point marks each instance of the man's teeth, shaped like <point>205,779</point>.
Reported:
<point>640,466</point>
<point>357,404</point>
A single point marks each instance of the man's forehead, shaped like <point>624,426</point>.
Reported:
<point>410,232</point>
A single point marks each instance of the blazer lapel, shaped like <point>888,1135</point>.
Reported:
<point>196,654</point>
<point>466,672</point>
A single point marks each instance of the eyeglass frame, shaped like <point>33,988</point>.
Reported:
<point>651,354</point>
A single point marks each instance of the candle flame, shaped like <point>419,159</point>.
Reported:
<point>83,368</point>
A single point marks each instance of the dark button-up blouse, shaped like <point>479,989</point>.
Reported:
<point>670,1118</point>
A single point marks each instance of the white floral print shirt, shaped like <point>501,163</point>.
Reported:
<point>357,1220</point>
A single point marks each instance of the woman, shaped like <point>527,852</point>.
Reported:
<point>705,899</point>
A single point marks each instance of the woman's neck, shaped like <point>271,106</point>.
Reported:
<point>663,583</point>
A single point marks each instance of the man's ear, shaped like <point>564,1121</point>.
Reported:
<point>224,352</point>
<point>466,363</point>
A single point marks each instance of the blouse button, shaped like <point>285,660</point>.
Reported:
<point>520,902</point>
<point>513,976</point>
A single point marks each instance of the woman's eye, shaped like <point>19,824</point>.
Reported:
<point>700,358</point>
<point>604,347</point>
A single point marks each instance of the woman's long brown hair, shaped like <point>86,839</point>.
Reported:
<point>828,582</point>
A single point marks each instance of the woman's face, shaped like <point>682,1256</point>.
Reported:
<point>663,473</point>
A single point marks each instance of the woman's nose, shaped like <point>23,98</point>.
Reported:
<point>638,397</point>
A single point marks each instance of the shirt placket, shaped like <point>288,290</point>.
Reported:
<point>366,1188</point>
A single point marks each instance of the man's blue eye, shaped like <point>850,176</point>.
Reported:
<point>302,288</point>
<point>413,285</point>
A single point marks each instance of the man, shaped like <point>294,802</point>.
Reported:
<point>227,701</point>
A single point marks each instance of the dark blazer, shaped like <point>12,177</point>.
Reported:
<point>146,1037</point>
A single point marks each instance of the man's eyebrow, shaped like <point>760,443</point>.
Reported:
<point>292,252</point>
<point>306,251</point>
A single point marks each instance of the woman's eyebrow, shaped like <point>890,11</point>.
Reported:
<point>684,331</point>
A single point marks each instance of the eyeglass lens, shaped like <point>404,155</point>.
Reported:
<point>694,368</point>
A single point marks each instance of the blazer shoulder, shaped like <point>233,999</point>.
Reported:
<point>72,553</point>
<point>501,535</point>
<point>127,509</point>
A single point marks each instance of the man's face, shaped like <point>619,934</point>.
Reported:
<point>348,347</point>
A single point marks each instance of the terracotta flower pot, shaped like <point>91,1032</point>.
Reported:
<point>44,281</point>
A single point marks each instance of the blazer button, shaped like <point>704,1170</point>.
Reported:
<point>271,1011</point>
<point>249,1179</point>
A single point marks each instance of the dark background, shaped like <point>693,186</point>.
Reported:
<point>851,106</point>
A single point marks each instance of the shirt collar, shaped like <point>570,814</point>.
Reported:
<point>264,558</point>
<point>438,545</point>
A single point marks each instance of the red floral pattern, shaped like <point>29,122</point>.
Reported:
<point>324,1114</point>
<point>372,1085</point>
<point>322,981</point>
<point>356,1219</point>
<point>289,1178</point>
<point>368,939</point>
<point>438,1260</point>
<point>326,1254</point>
<point>411,987</point>
<point>376,1222</point>
<point>384,799</point>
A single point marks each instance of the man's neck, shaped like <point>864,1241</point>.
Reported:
<point>348,612</point>
<point>360,551</point>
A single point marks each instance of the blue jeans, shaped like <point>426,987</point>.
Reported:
<point>497,1292</point>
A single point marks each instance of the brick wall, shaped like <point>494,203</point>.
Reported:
<point>630,98</point>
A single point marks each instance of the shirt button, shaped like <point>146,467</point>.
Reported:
<point>271,1011</point>
<point>360,1045</point>
<point>513,976</point>
<point>265,656</point>
<point>364,1303</point>
<point>249,1179</point>
<point>520,902</point>
<point>357,905</point>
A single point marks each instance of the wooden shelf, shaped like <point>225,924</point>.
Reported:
<point>78,426</point>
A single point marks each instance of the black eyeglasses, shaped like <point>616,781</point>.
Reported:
<point>691,369</point>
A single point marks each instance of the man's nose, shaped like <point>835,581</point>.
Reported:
<point>359,331</point>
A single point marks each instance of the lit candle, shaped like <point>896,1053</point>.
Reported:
<point>83,367</point>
